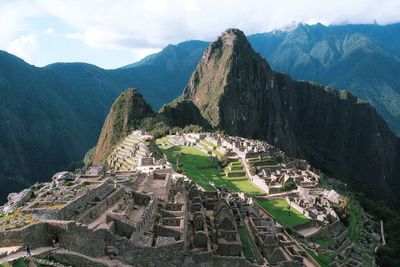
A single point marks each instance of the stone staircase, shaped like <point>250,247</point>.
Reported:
<point>46,262</point>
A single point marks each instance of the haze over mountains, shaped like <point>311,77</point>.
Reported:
<point>53,115</point>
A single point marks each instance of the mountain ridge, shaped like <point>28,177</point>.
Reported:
<point>236,91</point>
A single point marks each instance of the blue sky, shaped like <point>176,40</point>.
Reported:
<point>115,33</point>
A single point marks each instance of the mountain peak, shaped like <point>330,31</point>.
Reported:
<point>223,72</point>
<point>125,115</point>
<point>232,36</point>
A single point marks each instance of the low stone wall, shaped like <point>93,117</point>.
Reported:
<point>35,235</point>
<point>122,225</point>
<point>97,210</point>
<point>169,255</point>
<point>72,259</point>
<point>98,192</point>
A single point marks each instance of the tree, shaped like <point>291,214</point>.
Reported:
<point>289,186</point>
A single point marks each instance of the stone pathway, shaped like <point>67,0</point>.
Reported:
<point>22,254</point>
<point>39,251</point>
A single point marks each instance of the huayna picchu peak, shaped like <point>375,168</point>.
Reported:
<point>247,167</point>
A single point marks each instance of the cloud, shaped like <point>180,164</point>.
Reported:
<point>98,37</point>
<point>49,31</point>
<point>151,23</point>
<point>15,16</point>
<point>25,46</point>
<point>147,25</point>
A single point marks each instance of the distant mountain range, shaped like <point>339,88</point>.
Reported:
<point>53,115</point>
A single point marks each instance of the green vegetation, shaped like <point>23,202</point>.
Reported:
<point>353,220</point>
<point>249,247</point>
<point>288,186</point>
<point>203,171</point>
<point>279,209</point>
<point>322,259</point>
<point>154,127</point>
<point>69,183</point>
<point>247,187</point>
<point>254,162</point>
<point>324,241</point>
<point>244,240</point>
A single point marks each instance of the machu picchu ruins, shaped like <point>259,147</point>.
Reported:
<point>249,205</point>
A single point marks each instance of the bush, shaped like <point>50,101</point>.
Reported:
<point>69,183</point>
<point>193,129</point>
<point>289,186</point>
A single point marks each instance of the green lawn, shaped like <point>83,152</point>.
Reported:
<point>324,241</point>
<point>246,247</point>
<point>249,247</point>
<point>248,187</point>
<point>198,167</point>
<point>323,260</point>
<point>354,221</point>
<point>279,209</point>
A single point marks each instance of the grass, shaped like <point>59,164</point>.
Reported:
<point>246,247</point>
<point>235,178</point>
<point>208,143</point>
<point>354,221</point>
<point>163,142</point>
<point>247,187</point>
<point>198,167</point>
<point>279,209</point>
<point>324,241</point>
<point>323,260</point>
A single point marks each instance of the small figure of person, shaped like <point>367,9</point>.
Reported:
<point>28,251</point>
<point>53,243</point>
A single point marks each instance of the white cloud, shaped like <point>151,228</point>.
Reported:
<point>151,23</point>
<point>25,46</point>
<point>14,18</point>
<point>49,31</point>
<point>147,25</point>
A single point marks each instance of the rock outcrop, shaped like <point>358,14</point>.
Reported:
<point>236,91</point>
<point>125,115</point>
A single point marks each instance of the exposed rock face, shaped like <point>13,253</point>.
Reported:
<point>236,91</point>
<point>125,115</point>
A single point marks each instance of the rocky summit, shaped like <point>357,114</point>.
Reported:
<point>236,91</point>
<point>127,112</point>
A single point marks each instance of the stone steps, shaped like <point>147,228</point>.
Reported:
<point>49,262</point>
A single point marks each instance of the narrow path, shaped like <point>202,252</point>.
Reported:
<point>383,234</point>
<point>21,254</point>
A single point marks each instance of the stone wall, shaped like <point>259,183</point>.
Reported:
<point>73,259</point>
<point>34,235</point>
<point>97,210</point>
<point>122,225</point>
<point>99,192</point>
<point>260,183</point>
<point>170,255</point>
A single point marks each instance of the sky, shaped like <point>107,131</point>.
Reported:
<point>114,33</point>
